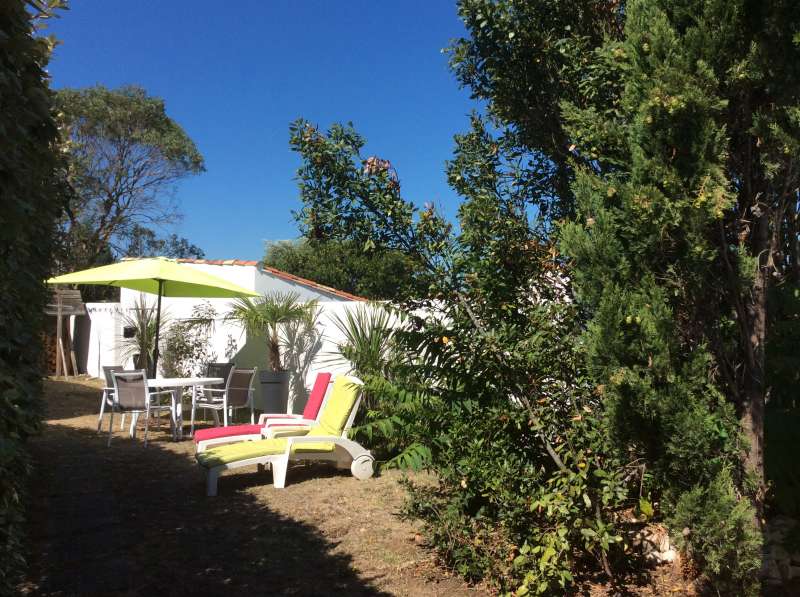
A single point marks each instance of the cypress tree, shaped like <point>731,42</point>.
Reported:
<point>690,123</point>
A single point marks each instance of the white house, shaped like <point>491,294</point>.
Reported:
<point>98,336</point>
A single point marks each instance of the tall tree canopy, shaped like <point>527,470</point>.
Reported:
<point>143,242</point>
<point>125,157</point>
<point>344,265</point>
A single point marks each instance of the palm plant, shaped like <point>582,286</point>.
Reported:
<point>367,333</point>
<point>142,344</point>
<point>266,314</point>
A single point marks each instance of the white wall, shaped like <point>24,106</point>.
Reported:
<point>103,344</point>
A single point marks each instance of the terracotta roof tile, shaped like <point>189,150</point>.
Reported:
<point>307,282</point>
<point>278,273</point>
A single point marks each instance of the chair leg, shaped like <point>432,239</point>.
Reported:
<point>194,408</point>
<point>102,409</point>
<point>173,419</point>
<point>110,426</point>
<point>122,422</point>
<point>146,423</point>
<point>212,476</point>
<point>279,467</point>
<point>252,416</point>
<point>225,414</point>
<point>134,423</point>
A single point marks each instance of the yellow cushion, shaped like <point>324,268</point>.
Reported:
<point>337,409</point>
<point>262,447</point>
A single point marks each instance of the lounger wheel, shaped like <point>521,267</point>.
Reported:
<point>363,467</point>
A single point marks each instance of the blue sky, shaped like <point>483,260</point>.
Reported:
<point>234,75</point>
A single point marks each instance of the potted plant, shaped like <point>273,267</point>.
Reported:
<point>138,340</point>
<point>264,316</point>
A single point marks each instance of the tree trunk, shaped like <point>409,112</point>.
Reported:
<point>754,391</point>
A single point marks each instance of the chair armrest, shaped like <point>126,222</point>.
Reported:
<point>212,390</point>
<point>298,421</point>
<point>306,439</point>
<point>263,417</point>
<point>151,394</point>
<point>286,432</point>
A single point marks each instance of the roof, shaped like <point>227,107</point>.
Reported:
<point>278,274</point>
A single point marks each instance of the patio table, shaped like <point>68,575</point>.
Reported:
<point>177,384</point>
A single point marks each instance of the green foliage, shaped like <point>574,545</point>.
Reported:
<point>715,528</point>
<point>125,156</point>
<point>344,266</point>
<point>187,348</point>
<point>265,315</point>
<point>356,201</point>
<point>32,199</point>
<point>523,59</point>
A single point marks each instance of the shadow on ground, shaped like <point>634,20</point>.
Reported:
<point>131,520</point>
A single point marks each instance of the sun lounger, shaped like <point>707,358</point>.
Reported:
<point>326,440</point>
<point>267,423</point>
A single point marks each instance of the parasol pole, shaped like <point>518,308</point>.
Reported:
<point>158,324</point>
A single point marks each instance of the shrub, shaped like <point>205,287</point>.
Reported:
<point>31,199</point>
<point>715,528</point>
<point>187,348</point>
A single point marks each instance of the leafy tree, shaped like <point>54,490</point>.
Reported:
<point>491,395</point>
<point>143,242</point>
<point>32,200</point>
<point>338,187</point>
<point>344,266</point>
<point>125,157</point>
<point>187,347</point>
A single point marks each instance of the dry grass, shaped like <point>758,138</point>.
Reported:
<point>130,520</point>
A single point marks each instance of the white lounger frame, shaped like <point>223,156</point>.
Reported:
<point>345,452</point>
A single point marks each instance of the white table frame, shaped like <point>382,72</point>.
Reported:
<point>176,385</point>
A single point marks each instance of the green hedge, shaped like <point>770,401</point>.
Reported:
<point>30,207</point>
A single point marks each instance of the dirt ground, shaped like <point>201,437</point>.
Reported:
<point>130,520</point>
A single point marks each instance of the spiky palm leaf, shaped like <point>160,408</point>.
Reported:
<point>264,316</point>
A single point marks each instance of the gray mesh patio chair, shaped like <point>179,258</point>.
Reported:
<point>237,393</point>
<point>132,395</point>
<point>108,392</point>
<point>222,370</point>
